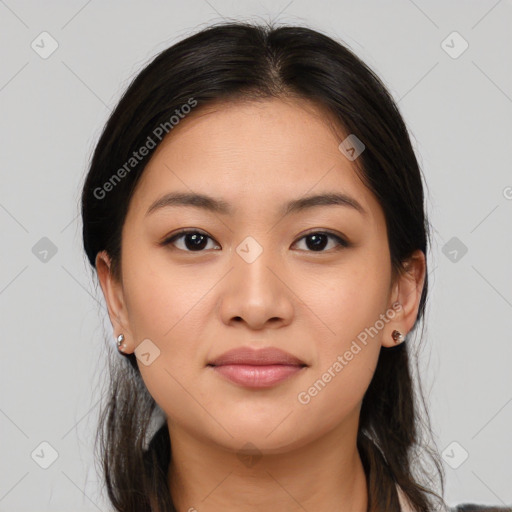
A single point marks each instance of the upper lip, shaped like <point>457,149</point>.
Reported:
<point>256,357</point>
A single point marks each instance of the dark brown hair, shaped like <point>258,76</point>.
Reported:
<point>231,61</point>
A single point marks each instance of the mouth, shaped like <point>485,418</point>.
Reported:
<point>269,356</point>
<point>257,376</point>
<point>257,368</point>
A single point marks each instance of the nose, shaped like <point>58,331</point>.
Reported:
<point>257,293</point>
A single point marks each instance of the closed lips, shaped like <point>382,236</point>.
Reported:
<point>257,357</point>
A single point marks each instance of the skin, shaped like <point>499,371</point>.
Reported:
<point>195,305</point>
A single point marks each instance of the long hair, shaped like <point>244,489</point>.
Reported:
<point>227,62</point>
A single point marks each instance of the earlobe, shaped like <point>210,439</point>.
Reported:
<point>113,294</point>
<point>397,336</point>
<point>407,294</point>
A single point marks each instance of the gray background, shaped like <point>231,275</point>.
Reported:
<point>459,113</point>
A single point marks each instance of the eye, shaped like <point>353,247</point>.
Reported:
<point>317,241</point>
<point>193,240</point>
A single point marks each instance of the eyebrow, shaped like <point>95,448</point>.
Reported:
<point>220,206</point>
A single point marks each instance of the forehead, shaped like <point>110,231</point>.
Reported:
<point>254,153</point>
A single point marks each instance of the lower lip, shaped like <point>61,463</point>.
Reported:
<point>257,376</point>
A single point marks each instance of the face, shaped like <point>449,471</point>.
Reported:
<point>313,281</point>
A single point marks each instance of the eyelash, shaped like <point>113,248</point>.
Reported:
<point>342,243</point>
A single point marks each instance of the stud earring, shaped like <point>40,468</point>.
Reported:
<point>120,340</point>
<point>397,336</point>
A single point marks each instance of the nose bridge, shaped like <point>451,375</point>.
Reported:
<point>254,292</point>
<point>252,261</point>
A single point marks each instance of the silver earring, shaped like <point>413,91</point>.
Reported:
<point>120,340</point>
<point>397,336</point>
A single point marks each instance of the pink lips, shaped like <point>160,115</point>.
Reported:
<point>257,368</point>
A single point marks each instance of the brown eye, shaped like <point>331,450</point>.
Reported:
<point>317,241</point>
<point>197,241</point>
<point>190,240</point>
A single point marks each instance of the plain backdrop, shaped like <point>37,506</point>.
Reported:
<point>447,64</point>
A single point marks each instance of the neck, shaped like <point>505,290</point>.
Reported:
<point>325,475</point>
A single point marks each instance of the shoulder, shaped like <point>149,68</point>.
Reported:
<point>472,507</point>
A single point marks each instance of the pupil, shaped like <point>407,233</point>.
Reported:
<point>198,241</point>
<point>314,242</point>
<point>319,241</point>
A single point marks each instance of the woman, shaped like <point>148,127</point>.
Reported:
<point>254,212</point>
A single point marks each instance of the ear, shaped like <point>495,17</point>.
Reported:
<point>406,297</point>
<point>113,293</point>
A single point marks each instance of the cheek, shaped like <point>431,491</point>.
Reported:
<point>161,297</point>
<point>344,366</point>
<point>350,303</point>
<point>166,304</point>
<point>334,396</point>
<point>349,299</point>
